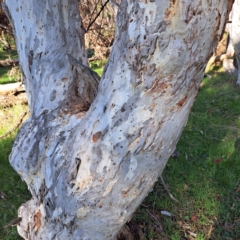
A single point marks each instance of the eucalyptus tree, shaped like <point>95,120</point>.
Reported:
<point>90,152</point>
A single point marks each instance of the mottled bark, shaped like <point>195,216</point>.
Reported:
<point>235,36</point>
<point>89,171</point>
<point>231,61</point>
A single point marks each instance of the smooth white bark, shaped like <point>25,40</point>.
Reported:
<point>235,35</point>
<point>231,59</point>
<point>88,172</point>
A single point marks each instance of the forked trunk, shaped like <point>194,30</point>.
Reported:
<point>89,169</point>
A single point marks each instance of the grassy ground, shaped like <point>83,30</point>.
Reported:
<point>13,192</point>
<point>4,78</point>
<point>97,66</point>
<point>205,178</point>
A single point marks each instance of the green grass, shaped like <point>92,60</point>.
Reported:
<point>13,192</point>
<point>97,66</point>
<point>4,78</point>
<point>205,178</point>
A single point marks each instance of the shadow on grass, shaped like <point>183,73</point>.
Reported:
<point>206,177</point>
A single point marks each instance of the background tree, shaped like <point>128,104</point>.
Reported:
<point>98,19</point>
<point>5,30</point>
<point>89,168</point>
<point>230,55</point>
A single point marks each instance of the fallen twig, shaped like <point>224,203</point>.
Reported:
<point>166,188</point>
<point>154,218</point>
<point>91,23</point>
<point>9,62</point>
<point>13,223</point>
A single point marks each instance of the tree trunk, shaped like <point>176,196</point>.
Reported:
<point>231,60</point>
<point>89,169</point>
<point>235,37</point>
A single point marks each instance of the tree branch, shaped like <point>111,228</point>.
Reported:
<point>91,23</point>
<point>8,62</point>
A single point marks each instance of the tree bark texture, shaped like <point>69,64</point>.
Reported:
<point>89,169</point>
<point>235,37</point>
<point>231,59</point>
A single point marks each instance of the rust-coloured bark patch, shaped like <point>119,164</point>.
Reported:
<point>182,101</point>
<point>37,220</point>
<point>172,2</point>
<point>96,136</point>
<point>125,192</point>
<point>159,87</point>
<point>167,13</point>
<point>172,10</point>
